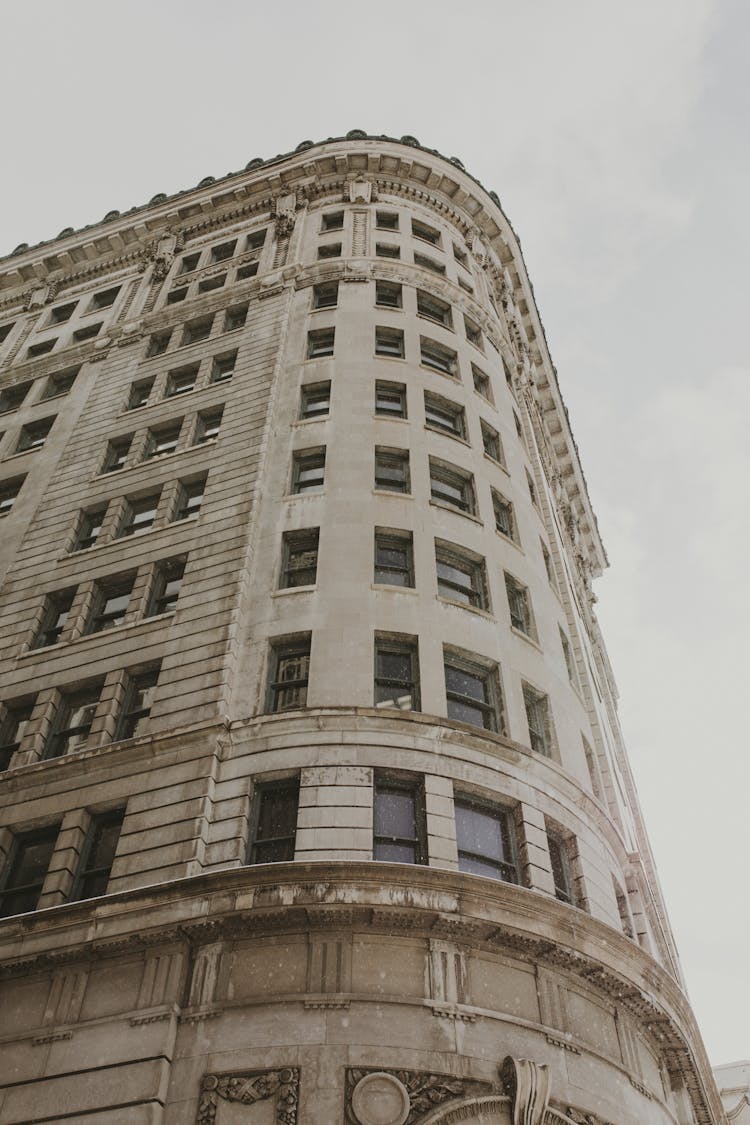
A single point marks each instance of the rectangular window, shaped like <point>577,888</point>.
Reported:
<point>461,577</point>
<point>197,330</point>
<point>392,470</point>
<point>444,415</point>
<point>505,521</point>
<point>452,487</point>
<point>140,393</point>
<point>41,349</point>
<point>315,400</point>
<point>158,344</point>
<point>532,490</point>
<point>329,250</point>
<point>548,567</point>
<point>299,561</point>
<point>326,295</point>
<point>396,673</point>
<point>247,271</point>
<point>60,383</point>
<point>473,693</point>
<point>166,587</point>
<point>425,233</point>
<point>98,855</point>
<point>12,397</point>
<point>473,333</point>
<point>519,604</point>
<point>162,441</point>
<point>13,725</point>
<point>208,425</point>
<point>176,295</point>
<point>26,871</point>
<point>390,399</point>
<point>386,220</point>
<point>594,772</point>
<point>491,443</point>
<point>562,875</point>
<point>320,343</point>
<point>394,558</point>
<point>465,285</point>
<point>62,314</point>
<point>222,367</point>
<point>332,220</point>
<point>388,295</point>
<point>189,263</point>
<point>308,470</point>
<point>73,720</point>
<point>429,263</point>
<point>110,603</point>
<point>461,256</point>
<point>89,529</point>
<point>274,820</point>
<point>290,671</point>
<point>34,435</point>
<point>256,240</point>
<point>623,909</point>
<point>105,299</point>
<point>389,342</point>
<point>182,380</point>
<point>569,661</point>
<point>434,309</point>
<point>538,718</point>
<point>481,383</point>
<point>139,514</point>
<point>5,331</point>
<point>136,708</point>
<point>387,250</point>
<point>438,358</point>
<point>9,490</point>
<point>399,823</point>
<point>486,840</point>
<point>190,498</point>
<point>223,252</point>
<point>54,618</point>
<point>87,333</point>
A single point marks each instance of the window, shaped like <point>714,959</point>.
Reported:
<point>87,333</point>
<point>427,234</point>
<point>210,283</point>
<point>548,566</point>
<point>110,604</point>
<point>197,330</point>
<point>308,470</point>
<point>389,342</point>
<point>473,332</point>
<point>562,875</point>
<point>320,343</point>
<point>519,604</point>
<point>34,435</point>
<point>42,348</point>
<point>452,487</point>
<point>569,661</point>
<point>139,393</point>
<point>315,400</point>
<point>329,250</point>
<point>538,718</point>
<point>235,318</point>
<point>105,299</point>
<point>387,250</point>
<point>386,220</point>
<point>396,673</point>
<point>54,618</point>
<point>274,820</point>
<point>89,529</point>
<point>460,256</point>
<point>256,240</point>
<point>162,441</point>
<point>394,558</point>
<point>532,490</point>
<point>491,442</point>
<point>390,399</point>
<point>505,521</point>
<point>465,285</point>
<point>473,693</point>
<point>222,367</point>
<point>223,252</point>
<point>388,295</point>
<point>461,577</point>
<point>12,728</point>
<point>5,331</point>
<point>398,816</point>
<point>73,721</point>
<point>434,309</point>
<point>508,376</point>
<point>486,840</point>
<point>594,772</point>
<point>98,855</point>
<point>208,425</point>
<point>9,490</point>
<point>182,380</point>
<point>326,296</point>
<point>139,514</point>
<point>519,429</point>
<point>299,562</point>
<point>136,708</point>
<point>333,220</point>
<point>392,470</point>
<point>158,344</point>
<point>189,263</point>
<point>290,670</point>
<point>166,587</point>
<point>623,909</point>
<point>429,263</point>
<point>438,358</point>
<point>481,383</point>
<point>12,397</point>
<point>60,383</point>
<point>62,313</point>
<point>190,498</point>
<point>26,871</point>
<point>444,415</point>
<point>247,271</point>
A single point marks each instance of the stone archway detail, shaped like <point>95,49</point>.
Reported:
<point>527,1083</point>
<point>495,1107</point>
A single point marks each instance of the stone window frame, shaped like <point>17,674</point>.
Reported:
<point>404,645</point>
<point>9,492</point>
<point>468,562</point>
<point>506,815</point>
<point>462,480</point>
<point>400,781</point>
<point>520,607</point>
<point>301,541</point>
<point>384,387</point>
<point>289,786</point>
<point>489,673</point>
<point>309,393</point>
<point>195,271</point>
<point>388,538</point>
<point>446,411</point>
<point>388,457</point>
<point>293,647</point>
<point>304,461</point>
<point>539,721</point>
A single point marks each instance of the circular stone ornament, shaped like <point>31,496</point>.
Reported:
<point>380,1099</point>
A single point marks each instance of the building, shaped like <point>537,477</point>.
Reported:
<point>733,1080</point>
<point>315,806</point>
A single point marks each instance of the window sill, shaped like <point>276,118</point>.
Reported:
<point>390,308</point>
<point>285,590</point>
<point>448,434</point>
<point>389,418</point>
<point>498,465</point>
<point>390,358</point>
<point>506,539</point>
<point>457,512</point>
<point>21,453</point>
<point>303,495</point>
<point>390,492</point>
<point>391,589</point>
<point>437,323</point>
<point>464,605</point>
<point>525,637</point>
<point>309,421</point>
<point>445,374</point>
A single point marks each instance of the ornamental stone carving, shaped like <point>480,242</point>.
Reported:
<point>248,1087</point>
<point>425,1092</point>
<point>527,1083</point>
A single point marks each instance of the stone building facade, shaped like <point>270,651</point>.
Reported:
<point>314,804</point>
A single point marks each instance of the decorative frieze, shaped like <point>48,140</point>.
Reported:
<point>247,1087</point>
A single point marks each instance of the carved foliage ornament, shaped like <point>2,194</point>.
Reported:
<point>425,1091</point>
<point>248,1087</point>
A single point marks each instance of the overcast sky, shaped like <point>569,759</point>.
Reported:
<point>615,135</point>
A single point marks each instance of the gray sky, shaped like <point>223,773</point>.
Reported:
<point>615,136</point>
